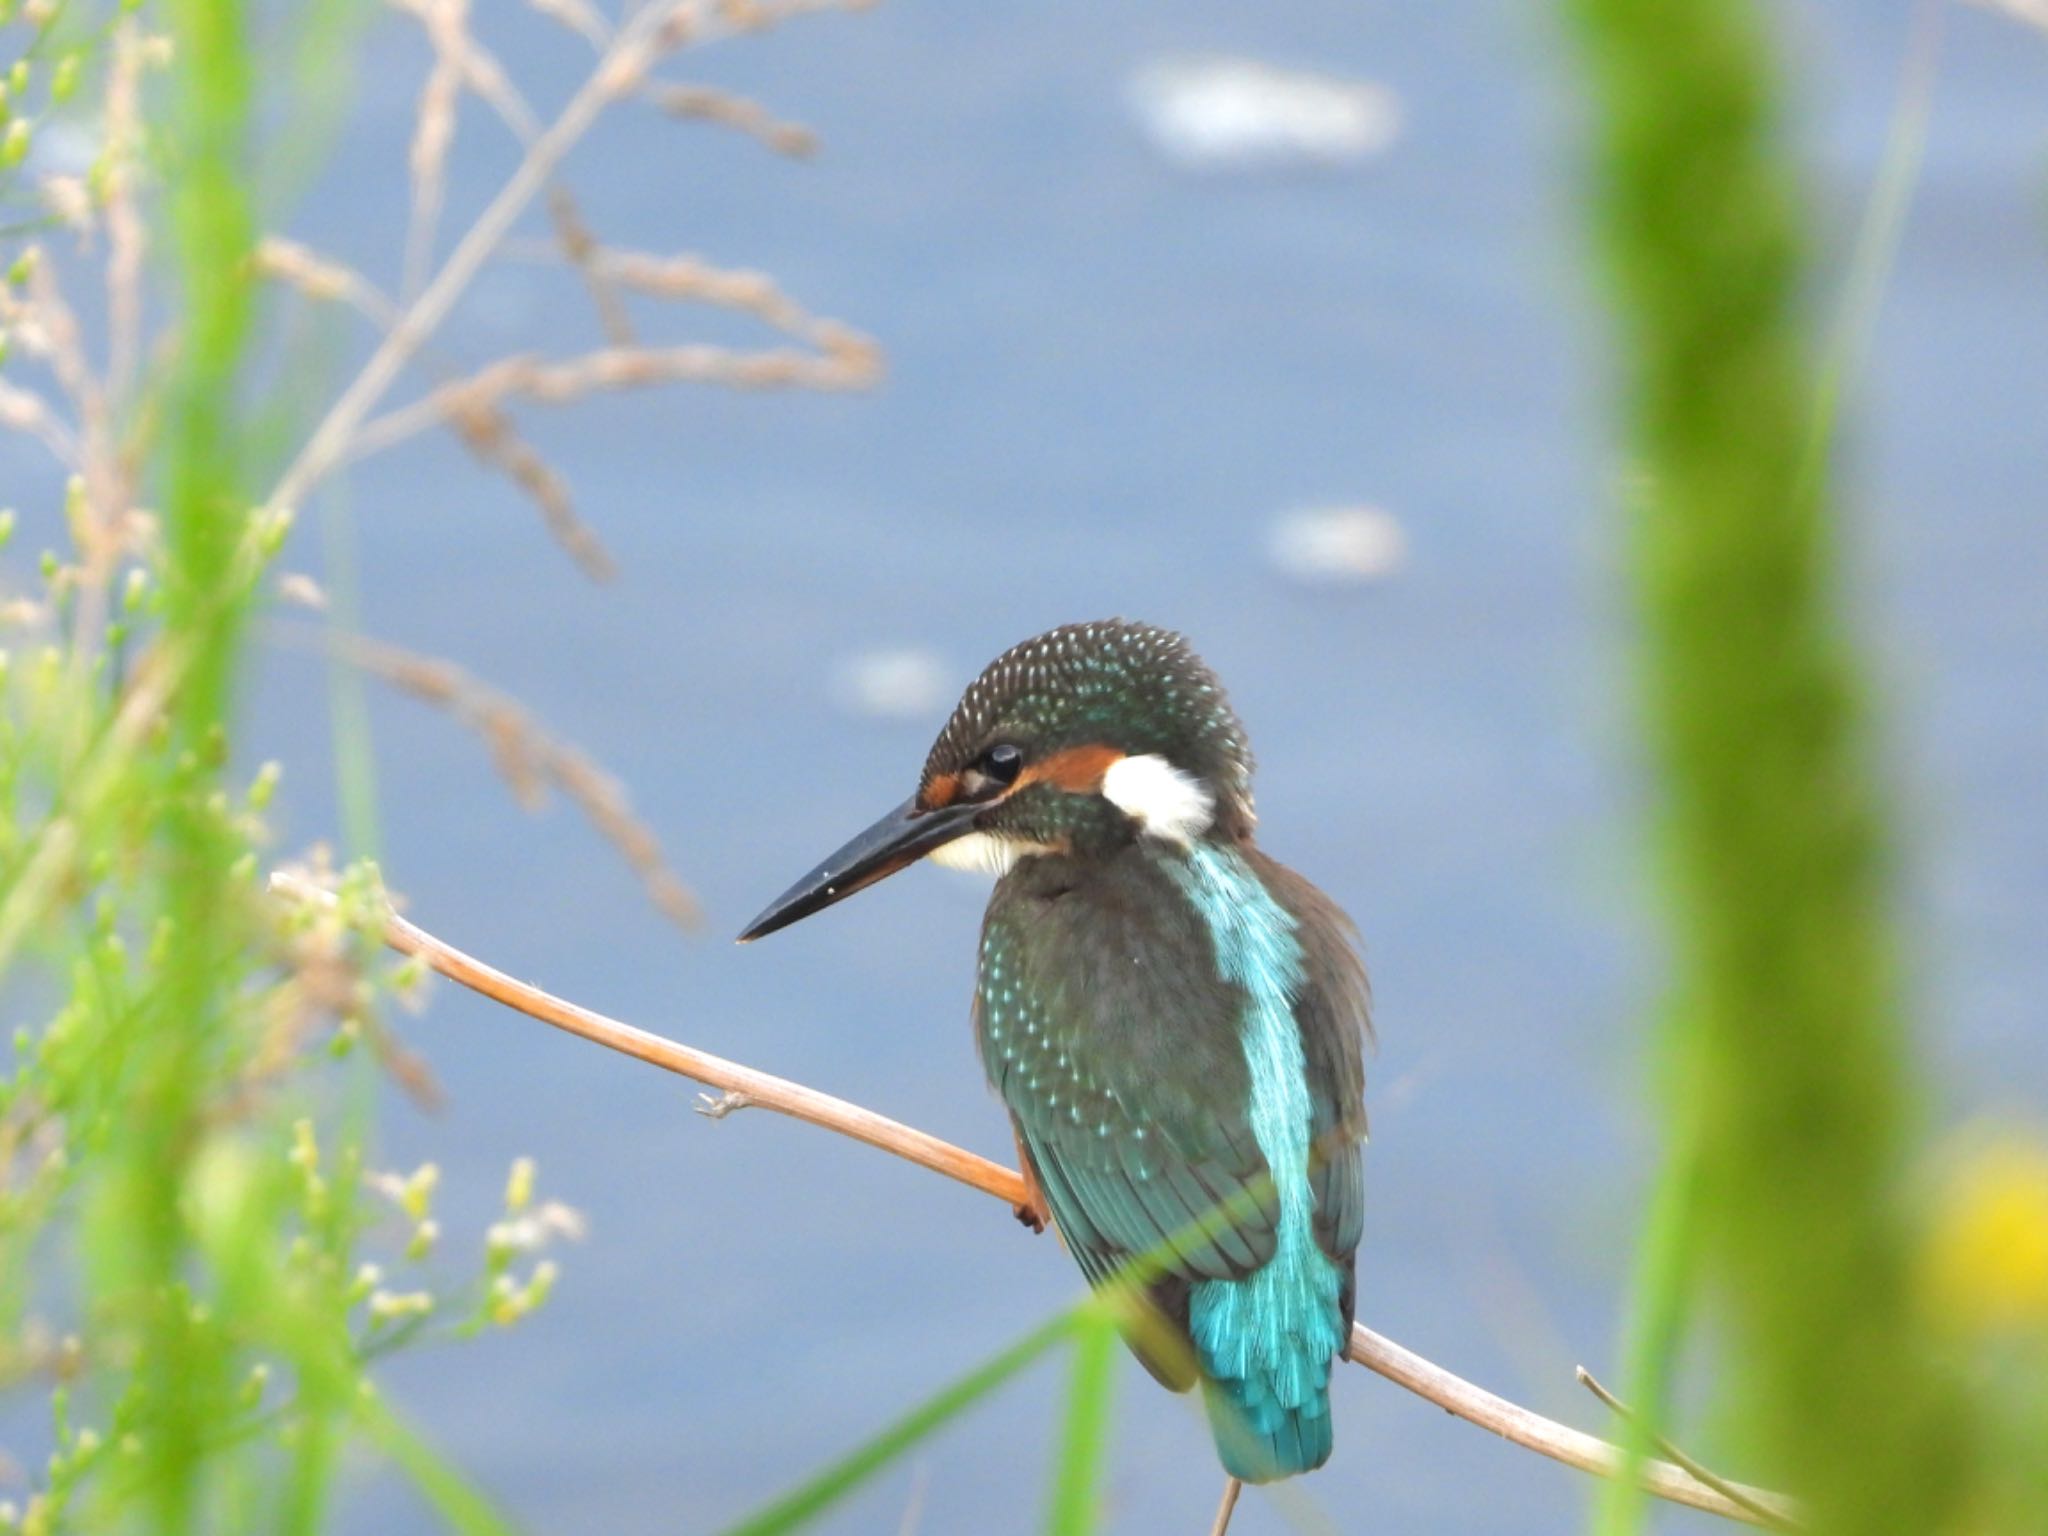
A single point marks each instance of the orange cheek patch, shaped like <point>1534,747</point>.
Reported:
<point>1078,770</point>
<point>943,790</point>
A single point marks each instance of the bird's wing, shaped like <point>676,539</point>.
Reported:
<point>1191,1211</point>
<point>1136,1124</point>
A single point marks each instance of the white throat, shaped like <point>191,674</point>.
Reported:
<point>984,853</point>
<point>1165,802</point>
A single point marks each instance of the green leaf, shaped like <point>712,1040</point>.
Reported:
<point>462,1506</point>
<point>1084,1442</point>
<point>821,1492</point>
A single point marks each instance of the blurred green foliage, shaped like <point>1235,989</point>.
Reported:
<point>1789,1195</point>
<point>193,1246</point>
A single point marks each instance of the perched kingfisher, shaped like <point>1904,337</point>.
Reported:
<point>1175,1021</point>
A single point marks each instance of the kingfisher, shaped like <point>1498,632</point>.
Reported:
<point>1175,1022</point>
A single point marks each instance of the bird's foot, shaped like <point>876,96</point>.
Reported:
<point>1032,1210</point>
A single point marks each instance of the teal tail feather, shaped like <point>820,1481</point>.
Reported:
<point>1260,1439</point>
<point>1265,1348</point>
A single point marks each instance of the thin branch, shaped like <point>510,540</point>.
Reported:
<point>622,66</point>
<point>479,71</point>
<point>488,433</point>
<point>322,279</point>
<point>483,428</point>
<point>686,278</point>
<point>1232,1487</point>
<point>473,66</point>
<point>62,347</point>
<point>762,1089</point>
<point>579,16</point>
<point>432,135</point>
<point>23,410</point>
<point>584,252</point>
<point>488,79</point>
<point>653,32</point>
<point>1765,1513</point>
<point>706,104</point>
<point>1374,1351</point>
<point>1547,1437</point>
<point>615,368</point>
<point>460,63</point>
<point>531,760</point>
<point>913,1508</point>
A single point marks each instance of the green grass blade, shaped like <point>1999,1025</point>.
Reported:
<point>1879,234</point>
<point>465,1510</point>
<point>1665,1265</point>
<point>1084,1442</point>
<point>828,1487</point>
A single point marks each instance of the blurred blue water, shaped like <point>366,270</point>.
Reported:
<point>1106,376</point>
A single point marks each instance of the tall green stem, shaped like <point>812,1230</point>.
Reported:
<point>206,517</point>
<point>1774,830</point>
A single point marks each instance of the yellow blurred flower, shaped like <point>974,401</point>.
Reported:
<point>1986,1259</point>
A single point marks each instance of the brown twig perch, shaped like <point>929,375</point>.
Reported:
<point>1374,1351</point>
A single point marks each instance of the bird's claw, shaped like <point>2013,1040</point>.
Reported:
<point>1032,1214</point>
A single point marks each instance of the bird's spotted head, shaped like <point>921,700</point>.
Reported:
<point>1084,738</point>
<point>1079,742</point>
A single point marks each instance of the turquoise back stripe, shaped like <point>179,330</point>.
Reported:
<point>1269,1338</point>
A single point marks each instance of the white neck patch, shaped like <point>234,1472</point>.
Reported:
<point>1164,801</point>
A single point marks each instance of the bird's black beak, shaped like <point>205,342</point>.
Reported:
<point>899,839</point>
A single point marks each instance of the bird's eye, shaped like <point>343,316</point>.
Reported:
<point>992,772</point>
